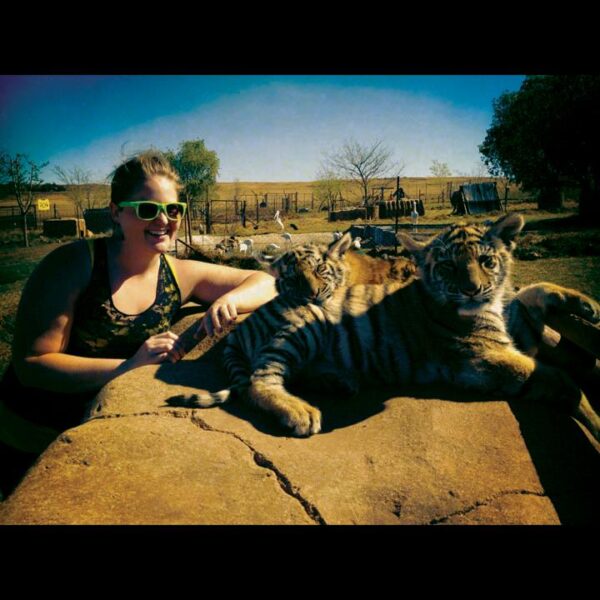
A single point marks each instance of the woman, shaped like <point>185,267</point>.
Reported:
<point>94,310</point>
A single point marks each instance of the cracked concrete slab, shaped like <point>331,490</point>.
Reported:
<point>382,458</point>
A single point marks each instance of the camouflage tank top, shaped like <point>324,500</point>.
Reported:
<point>101,330</point>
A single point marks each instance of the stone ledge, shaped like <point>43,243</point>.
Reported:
<point>381,459</point>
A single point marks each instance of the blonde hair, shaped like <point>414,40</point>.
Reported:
<point>128,176</point>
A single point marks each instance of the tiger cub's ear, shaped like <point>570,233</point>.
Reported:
<point>506,228</point>
<point>338,248</point>
<point>411,245</point>
<point>268,262</point>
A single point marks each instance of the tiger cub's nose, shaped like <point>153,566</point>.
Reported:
<point>471,290</point>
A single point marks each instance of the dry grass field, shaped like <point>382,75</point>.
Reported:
<point>427,188</point>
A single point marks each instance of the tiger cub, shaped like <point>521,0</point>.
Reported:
<point>313,272</point>
<point>446,326</point>
<point>525,311</point>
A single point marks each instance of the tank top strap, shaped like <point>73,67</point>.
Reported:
<point>97,248</point>
<point>169,261</point>
<point>91,244</point>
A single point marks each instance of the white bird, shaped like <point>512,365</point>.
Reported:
<point>272,248</point>
<point>278,220</point>
<point>244,247</point>
<point>356,242</point>
<point>414,215</point>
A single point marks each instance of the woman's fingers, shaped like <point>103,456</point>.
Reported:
<point>207,325</point>
<point>215,319</point>
<point>166,344</point>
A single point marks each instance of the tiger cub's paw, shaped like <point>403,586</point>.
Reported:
<point>572,301</point>
<point>560,299</point>
<point>302,418</point>
<point>589,309</point>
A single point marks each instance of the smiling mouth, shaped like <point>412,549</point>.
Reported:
<point>158,233</point>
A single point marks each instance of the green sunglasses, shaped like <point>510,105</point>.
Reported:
<point>147,210</point>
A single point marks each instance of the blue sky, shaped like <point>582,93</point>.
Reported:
<point>263,128</point>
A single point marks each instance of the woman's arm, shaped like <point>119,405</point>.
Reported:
<point>43,326</point>
<point>230,291</point>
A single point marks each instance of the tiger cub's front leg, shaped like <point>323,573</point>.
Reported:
<point>528,310</point>
<point>267,391</point>
<point>288,353</point>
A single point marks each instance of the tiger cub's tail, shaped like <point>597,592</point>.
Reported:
<point>207,399</point>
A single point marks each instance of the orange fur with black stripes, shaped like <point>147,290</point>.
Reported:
<point>446,326</point>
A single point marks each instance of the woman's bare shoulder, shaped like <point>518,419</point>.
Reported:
<point>68,263</point>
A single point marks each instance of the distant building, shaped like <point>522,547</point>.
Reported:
<point>475,198</point>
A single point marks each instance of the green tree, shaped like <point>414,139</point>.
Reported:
<point>544,138</point>
<point>23,178</point>
<point>197,166</point>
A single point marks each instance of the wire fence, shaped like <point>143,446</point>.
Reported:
<point>254,210</point>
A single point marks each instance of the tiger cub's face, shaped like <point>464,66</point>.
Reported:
<point>468,266</point>
<point>311,272</point>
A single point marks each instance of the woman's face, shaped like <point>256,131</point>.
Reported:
<point>158,233</point>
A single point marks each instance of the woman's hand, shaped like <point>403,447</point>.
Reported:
<point>157,349</point>
<point>221,312</point>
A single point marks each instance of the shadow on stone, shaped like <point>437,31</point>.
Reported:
<point>567,464</point>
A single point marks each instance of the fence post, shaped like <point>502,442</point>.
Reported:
<point>207,217</point>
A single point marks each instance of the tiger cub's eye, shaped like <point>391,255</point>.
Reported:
<point>488,261</point>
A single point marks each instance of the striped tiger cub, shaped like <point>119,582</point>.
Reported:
<point>446,325</point>
<point>524,311</point>
<point>313,272</point>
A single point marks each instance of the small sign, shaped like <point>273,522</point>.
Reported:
<point>43,204</point>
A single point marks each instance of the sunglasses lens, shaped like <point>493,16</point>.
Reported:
<point>147,211</point>
<point>174,211</point>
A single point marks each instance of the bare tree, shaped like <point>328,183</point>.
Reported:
<point>362,163</point>
<point>440,169</point>
<point>480,170</point>
<point>79,186</point>
<point>23,176</point>
<point>328,188</point>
